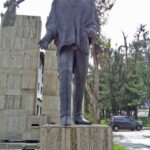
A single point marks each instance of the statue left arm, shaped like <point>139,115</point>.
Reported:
<point>93,26</point>
<point>51,30</point>
<point>18,2</point>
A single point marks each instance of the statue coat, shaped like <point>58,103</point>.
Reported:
<point>70,21</point>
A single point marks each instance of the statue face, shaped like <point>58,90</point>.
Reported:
<point>13,0</point>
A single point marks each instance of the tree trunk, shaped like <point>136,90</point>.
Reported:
<point>135,112</point>
<point>94,93</point>
<point>93,102</point>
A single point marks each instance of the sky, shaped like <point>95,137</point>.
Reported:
<point>126,16</point>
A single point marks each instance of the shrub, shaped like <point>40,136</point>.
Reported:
<point>119,147</point>
<point>147,124</point>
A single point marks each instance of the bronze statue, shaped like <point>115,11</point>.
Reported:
<point>10,14</point>
<point>73,24</point>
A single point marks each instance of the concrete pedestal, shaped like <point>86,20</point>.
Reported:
<point>76,137</point>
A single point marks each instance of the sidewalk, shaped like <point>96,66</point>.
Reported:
<point>135,140</point>
<point>146,128</point>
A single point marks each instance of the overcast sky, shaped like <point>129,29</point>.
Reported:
<point>126,15</point>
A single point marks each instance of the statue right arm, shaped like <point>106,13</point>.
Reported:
<point>51,30</point>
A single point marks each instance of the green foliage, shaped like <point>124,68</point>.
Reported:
<point>101,44</point>
<point>89,114</point>
<point>103,7</point>
<point>104,121</point>
<point>146,122</point>
<point>123,72</point>
<point>118,147</point>
<point>129,72</point>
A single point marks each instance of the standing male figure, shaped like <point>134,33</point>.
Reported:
<point>10,14</point>
<point>72,24</point>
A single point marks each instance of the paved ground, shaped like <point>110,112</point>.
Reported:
<point>133,140</point>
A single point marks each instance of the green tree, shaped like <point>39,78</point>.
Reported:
<point>93,87</point>
<point>126,71</point>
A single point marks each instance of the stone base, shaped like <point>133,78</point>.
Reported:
<point>76,137</point>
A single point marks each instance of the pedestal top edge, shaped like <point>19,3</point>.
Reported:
<point>75,126</point>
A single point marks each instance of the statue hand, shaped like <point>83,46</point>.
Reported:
<point>91,34</point>
<point>43,44</point>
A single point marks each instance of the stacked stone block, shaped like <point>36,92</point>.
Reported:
<point>50,98</point>
<point>19,56</point>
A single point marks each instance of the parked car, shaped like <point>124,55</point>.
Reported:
<point>124,122</point>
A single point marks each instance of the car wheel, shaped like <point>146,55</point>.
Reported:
<point>132,129</point>
<point>138,128</point>
<point>116,128</point>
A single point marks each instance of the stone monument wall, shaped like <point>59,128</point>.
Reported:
<point>19,56</point>
<point>50,98</point>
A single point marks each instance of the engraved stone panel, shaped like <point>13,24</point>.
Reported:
<point>16,61</point>
<point>14,81</point>
<point>3,79</point>
<point>51,82</point>
<point>29,103</point>
<point>28,82</point>
<point>51,103</point>
<point>14,102</point>
<point>50,60</point>
<point>30,61</point>
<point>2,101</point>
<point>4,59</point>
<point>1,37</point>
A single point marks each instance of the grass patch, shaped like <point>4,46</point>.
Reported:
<point>119,147</point>
<point>147,122</point>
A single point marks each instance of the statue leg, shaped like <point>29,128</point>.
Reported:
<point>65,63</point>
<point>80,73</point>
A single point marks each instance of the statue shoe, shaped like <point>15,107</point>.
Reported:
<point>65,120</point>
<point>81,120</point>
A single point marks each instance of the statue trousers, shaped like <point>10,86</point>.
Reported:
<point>72,66</point>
